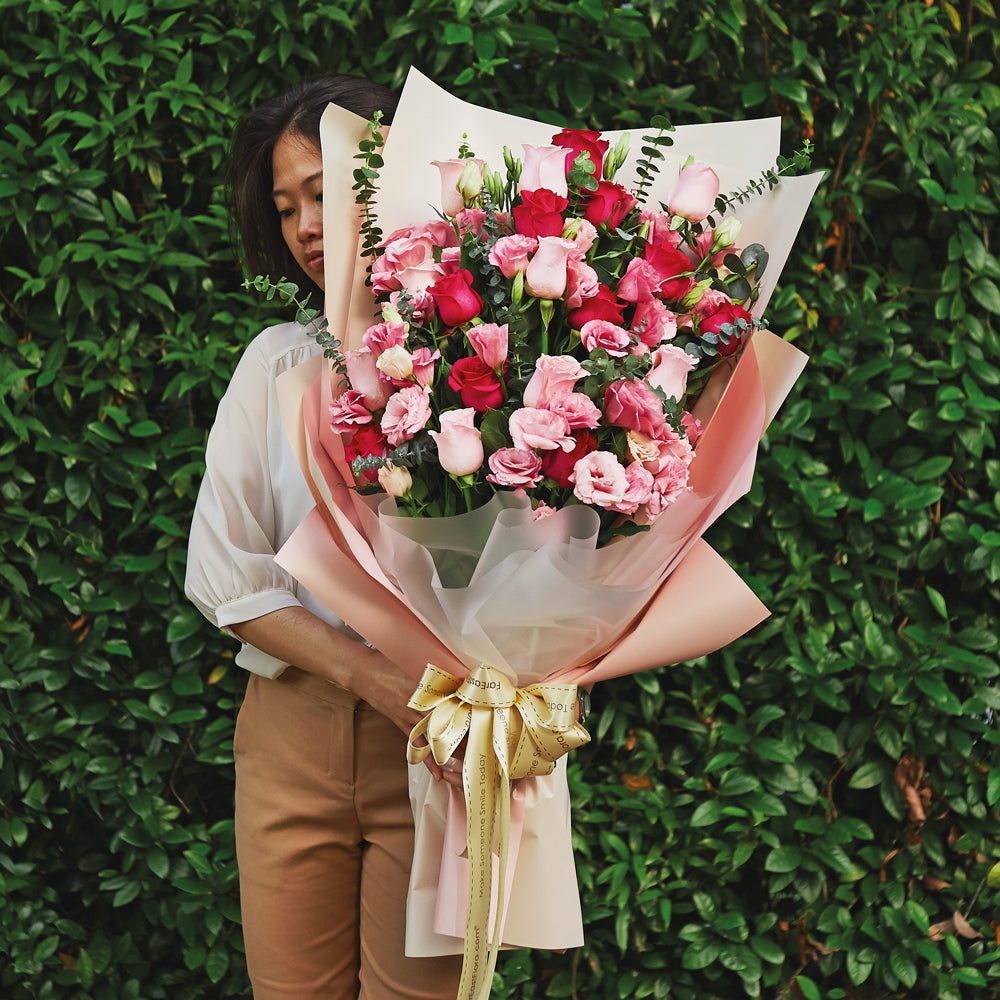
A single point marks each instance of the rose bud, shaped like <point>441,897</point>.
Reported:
<point>459,444</point>
<point>693,194</point>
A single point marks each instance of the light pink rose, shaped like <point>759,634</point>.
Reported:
<point>396,364</point>
<point>397,256</point>
<point>423,365</point>
<point>582,232</point>
<point>381,336</point>
<point>489,341</point>
<point>451,259</point>
<point>542,511</point>
<point>552,374</point>
<point>515,467</point>
<point>670,484</point>
<point>544,167</point>
<point>365,378</point>
<point>599,478</point>
<point>634,406</point>
<point>580,411</point>
<point>542,429</point>
<point>692,426</point>
<point>711,301</point>
<point>420,278</point>
<point>395,480</point>
<point>692,196</point>
<point>545,277</point>
<point>670,370</point>
<point>581,281</point>
<point>600,333</point>
<point>459,444</point>
<point>640,282</point>
<point>452,200</point>
<point>510,253</point>
<point>640,488</point>
<point>653,323</point>
<point>406,413</point>
<point>348,412</point>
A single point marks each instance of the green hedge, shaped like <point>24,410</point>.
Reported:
<point>788,818</point>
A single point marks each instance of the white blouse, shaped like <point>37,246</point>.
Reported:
<point>252,498</point>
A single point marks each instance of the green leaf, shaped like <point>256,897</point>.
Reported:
<point>783,859</point>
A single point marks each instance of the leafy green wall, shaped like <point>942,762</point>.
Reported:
<point>811,813</point>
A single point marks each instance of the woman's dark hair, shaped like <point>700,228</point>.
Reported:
<point>256,227</point>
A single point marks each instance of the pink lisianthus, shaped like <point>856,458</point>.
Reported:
<point>578,408</point>
<point>365,378</point>
<point>638,492</point>
<point>582,282</point>
<point>552,374</point>
<point>600,479</point>
<point>670,371</point>
<point>423,365</point>
<point>453,200</point>
<point>544,167</point>
<point>348,412</point>
<point>558,465</point>
<point>459,443</point>
<point>515,467</point>
<point>542,511</point>
<point>653,323</point>
<point>421,303</point>
<point>582,232</point>
<point>544,430</point>
<point>451,258</point>
<point>633,405</point>
<point>692,196</point>
<point>656,454</point>
<point>511,253</point>
<point>668,485</point>
<point>545,277</point>
<point>693,427</point>
<point>381,336</point>
<point>420,278</point>
<point>470,220</point>
<point>440,232</point>
<point>489,341</point>
<point>599,333</point>
<point>400,255</point>
<point>406,413</point>
<point>640,282</point>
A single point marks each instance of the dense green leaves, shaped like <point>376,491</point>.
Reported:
<point>812,812</point>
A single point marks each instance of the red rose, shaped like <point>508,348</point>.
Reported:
<point>604,305</point>
<point>558,464</point>
<point>610,203</point>
<point>367,441</point>
<point>669,262</point>
<point>477,384</point>
<point>727,314</point>
<point>456,300</point>
<point>540,213</point>
<point>582,140</point>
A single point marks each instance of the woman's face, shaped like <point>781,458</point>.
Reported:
<point>298,198</point>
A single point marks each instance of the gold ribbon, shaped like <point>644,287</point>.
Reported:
<point>513,733</point>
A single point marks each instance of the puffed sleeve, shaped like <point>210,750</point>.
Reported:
<point>251,499</point>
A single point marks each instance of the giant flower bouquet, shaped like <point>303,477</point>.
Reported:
<point>511,478</point>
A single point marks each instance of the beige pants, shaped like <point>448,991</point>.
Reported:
<point>324,839</point>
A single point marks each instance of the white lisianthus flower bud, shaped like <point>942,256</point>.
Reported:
<point>396,481</point>
<point>395,362</point>
<point>726,232</point>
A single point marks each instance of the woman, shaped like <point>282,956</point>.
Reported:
<point>323,825</point>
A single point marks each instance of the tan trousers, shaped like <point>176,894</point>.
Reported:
<point>324,840</point>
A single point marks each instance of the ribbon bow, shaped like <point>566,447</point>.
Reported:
<point>513,733</point>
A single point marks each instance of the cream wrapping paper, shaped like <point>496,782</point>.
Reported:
<point>495,587</point>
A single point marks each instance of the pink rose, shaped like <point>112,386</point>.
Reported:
<point>540,213</point>
<point>399,255</point>
<point>365,378</point>
<point>423,365</point>
<point>477,385</point>
<point>640,282</point>
<point>712,300</point>
<point>489,341</point>
<point>542,511</point>
<point>348,412</point>
<point>459,444</point>
<point>558,465</point>
<point>406,413</point>
<point>609,204</point>
<point>452,200</point>
<point>668,485</point>
<point>578,409</point>
<point>421,303</point>
<point>545,277</point>
<point>599,478</point>
<point>552,374</point>
<point>634,406</point>
<point>510,253</point>
<point>456,300</point>
<point>639,490</point>
<point>599,333</point>
<point>544,167</point>
<point>581,281</point>
<point>541,429</point>
<point>381,336</point>
<point>451,257</point>
<point>582,232</point>
<point>727,315</point>
<point>515,467</point>
<point>420,278</point>
<point>603,304</point>
<point>365,441</point>
<point>670,371</point>
<point>673,268</point>
<point>653,323</point>
<point>692,196</point>
<point>660,233</point>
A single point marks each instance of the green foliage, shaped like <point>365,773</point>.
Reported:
<point>801,815</point>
